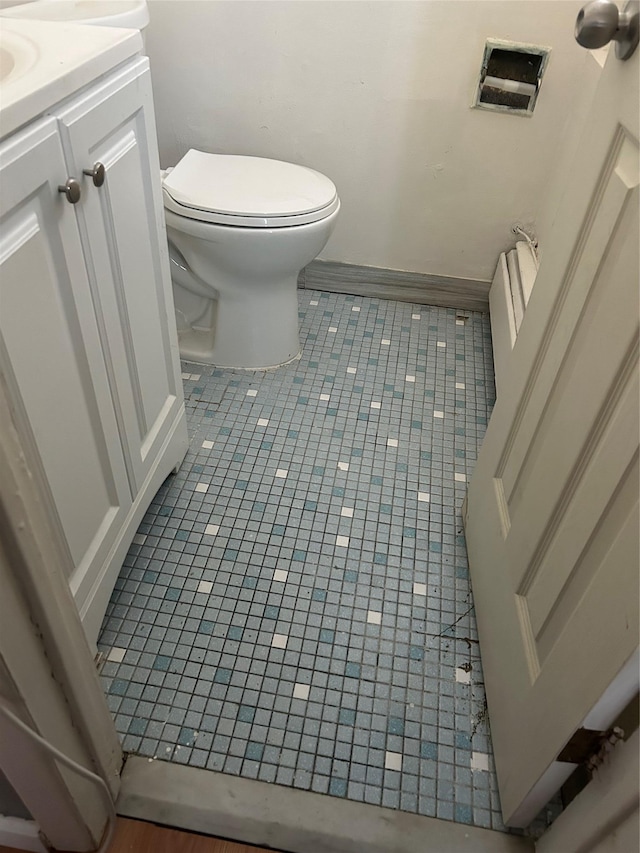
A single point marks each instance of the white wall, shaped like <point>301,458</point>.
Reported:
<point>376,95</point>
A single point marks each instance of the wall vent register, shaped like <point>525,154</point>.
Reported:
<point>510,77</point>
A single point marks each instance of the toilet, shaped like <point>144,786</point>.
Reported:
<point>240,229</point>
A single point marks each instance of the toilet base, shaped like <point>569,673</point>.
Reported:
<point>255,333</point>
<point>236,290</point>
<point>195,346</point>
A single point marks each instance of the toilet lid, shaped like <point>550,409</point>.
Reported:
<point>250,191</point>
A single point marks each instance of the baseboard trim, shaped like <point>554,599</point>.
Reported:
<point>20,834</point>
<point>288,819</point>
<point>424,289</point>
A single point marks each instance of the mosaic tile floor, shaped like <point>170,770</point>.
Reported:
<point>296,605</point>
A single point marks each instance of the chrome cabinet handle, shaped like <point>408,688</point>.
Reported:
<point>97,174</point>
<point>71,190</point>
<point>600,22</point>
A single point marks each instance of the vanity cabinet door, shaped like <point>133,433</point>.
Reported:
<point>122,224</point>
<point>51,359</point>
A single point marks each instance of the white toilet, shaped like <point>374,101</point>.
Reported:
<point>240,230</point>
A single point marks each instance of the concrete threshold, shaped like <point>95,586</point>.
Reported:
<point>287,819</point>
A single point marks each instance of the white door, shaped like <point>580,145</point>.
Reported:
<point>51,358</point>
<point>122,223</point>
<point>552,507</point>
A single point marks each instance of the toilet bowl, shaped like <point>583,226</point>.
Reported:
<point>240,229</point>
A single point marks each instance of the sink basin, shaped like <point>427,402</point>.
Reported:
<point>44,62</point>
<point>132,14</point>
<point>7,63</point>
<point>18,55</point>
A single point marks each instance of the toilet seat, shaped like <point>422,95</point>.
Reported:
<point>251,192</point>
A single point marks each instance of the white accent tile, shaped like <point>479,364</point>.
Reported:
<point>352,369</point>
<point>279,641</point>
<point>442,344</point>
<point>374,617</point>
<point>205,586</point>
<point>424,497</point>
<point>325,397</point>
<point>460,386</point>
<point>392,442</point>
<point>301,691</point>
<point>212,529</point>
<point>186,375</point>
<point>342,541</point>
<point>409,378</point>
<point>116,654</point>
<point>195,376</point>
<point>313,302</point>
<point>282,473</point>
<point>376,405</point>
<point>355,308</point>
<point>462,676</point>
<point>416,317</point>
<point>263,421</point>
<point>385,342</point>
<point>252,392</point>
<point>343,466</point>
<point>202,487</point>
<point>332,329</point>
<point>280,575</point>
<point>479,761</point>
<point>438,414</point>
<point>460,478</point>
<point>347,511</point>
<point>393,760</point>
<point>207,445</point>
<point>420,589</point>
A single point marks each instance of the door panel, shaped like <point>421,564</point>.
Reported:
<point>552,509</point>
<point>130,273</point>
<point>51,359</point>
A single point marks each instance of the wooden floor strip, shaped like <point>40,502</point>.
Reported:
<point>138,836</point>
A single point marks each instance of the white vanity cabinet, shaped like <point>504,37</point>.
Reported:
<point>112,126</point>
<point>51,355</point>
<point>88,347</point>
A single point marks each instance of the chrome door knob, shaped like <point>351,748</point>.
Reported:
<point>96,174</point>
<point>71,190</point>
<point>600,22</point>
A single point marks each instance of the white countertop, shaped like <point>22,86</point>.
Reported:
<point>42,63</point>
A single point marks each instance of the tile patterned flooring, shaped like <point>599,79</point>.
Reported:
<point>296,605</point>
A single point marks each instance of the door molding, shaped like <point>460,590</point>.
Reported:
<point>48,668</point>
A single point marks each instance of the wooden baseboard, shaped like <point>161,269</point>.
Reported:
<point>421,288</point>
